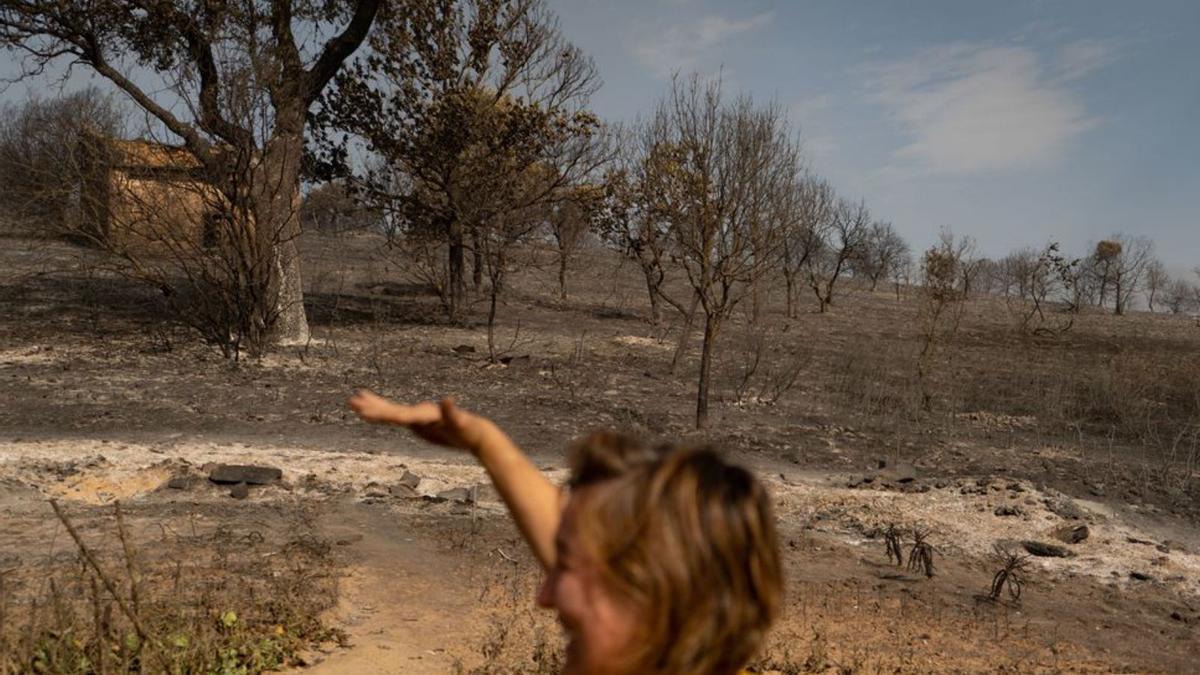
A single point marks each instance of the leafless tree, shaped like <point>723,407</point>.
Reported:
<point>1157,281</point>
<point>215,59</point>
<point>1180,296</point>
<point>882,250</point>
<point>1119,265</point>
<point>808,211</point>
<point>725,167</point>
<point>843,235</point>
<point>42,158</point>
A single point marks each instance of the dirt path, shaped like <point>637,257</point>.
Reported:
<point>399,615</point>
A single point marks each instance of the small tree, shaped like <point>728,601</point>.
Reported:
<point>941,304</point>
<point>808,211</point>
<point>843,236</point>
<point>1180,296</point>
<point>719,173</point>
<point>626,220</point>
<point>1157,281</point>
<point>570,221</point>
<point>882,250</point>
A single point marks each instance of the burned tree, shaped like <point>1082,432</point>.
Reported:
<point>882,251</point>
<point>720,170</point>
<point>240,80</point>
<point>843,236</point>
<point>459,102</point>
<point>569,222</point>
<point>808,209</point>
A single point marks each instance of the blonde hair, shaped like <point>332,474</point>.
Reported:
<point>689,540</point>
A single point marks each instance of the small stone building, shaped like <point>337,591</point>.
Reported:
<point>143,194</point>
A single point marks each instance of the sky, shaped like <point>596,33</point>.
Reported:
<point>1015,122</point>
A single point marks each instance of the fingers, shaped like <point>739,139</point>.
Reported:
<point>375,408</point>
<point>451,413</point>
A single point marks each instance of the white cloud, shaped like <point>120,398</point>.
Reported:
<point>1083,57</point>
<point>681,47</point>
<point>979,107</point>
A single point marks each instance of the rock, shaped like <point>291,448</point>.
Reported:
<point>181,483</point>
<point>509,360</point>
<point>942,483</point>
<point>239,473</point>
<point>1064,508</point>
<point>1044,550</point>
<point>349,539</point>
<point>1072,534</point>
<point>1009,510</point>
<point>459,495</point>
<point>410,479</point>
<point>1140,576</point>
<point>239,491</point>
<point>463,349</point>
<point>403,491</point>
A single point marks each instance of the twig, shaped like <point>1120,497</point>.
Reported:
<point>505,556</point>
<point>108,583</point>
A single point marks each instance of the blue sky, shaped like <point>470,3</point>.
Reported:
<point>1014,122</point>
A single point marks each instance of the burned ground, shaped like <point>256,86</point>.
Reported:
<point>106,400</point>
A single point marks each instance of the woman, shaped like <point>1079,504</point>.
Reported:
<point>657,560</point>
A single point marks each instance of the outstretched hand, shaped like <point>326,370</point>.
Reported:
<point>442,423</point>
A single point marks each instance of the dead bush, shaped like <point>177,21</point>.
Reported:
<point>226,601</point>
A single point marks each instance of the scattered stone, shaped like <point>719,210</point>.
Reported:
<point>1016,487</point>
<point>238,473</point>
<point>1163,548</point>
<point>410,479</point>
<point>240,491</point>
<point>1044,550</point>
<point>1009,510</point>
<point>1072,534</point>
<point>403,491</point>
<point>941,483</point>
<point>1140,576</point>
<point>463,349</point>
<point>459,495</point>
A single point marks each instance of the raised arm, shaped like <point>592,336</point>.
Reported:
<point>533,501</point>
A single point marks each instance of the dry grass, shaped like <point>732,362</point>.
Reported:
<point>222,601</point>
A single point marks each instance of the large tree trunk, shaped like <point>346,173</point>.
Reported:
<point>275,185</point>
<point>710,336</point>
